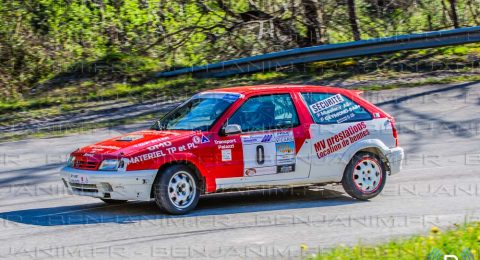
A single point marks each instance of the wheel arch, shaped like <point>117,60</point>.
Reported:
<point>373,146</point>
<point>189,164</point>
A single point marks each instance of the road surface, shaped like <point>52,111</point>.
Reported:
<point>439,186</point>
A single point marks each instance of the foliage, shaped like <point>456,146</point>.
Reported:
<point>464,242</point>
<point>44,42</point>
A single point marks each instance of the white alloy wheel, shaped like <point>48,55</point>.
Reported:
<point>367,175</point>
<point>181,189</point>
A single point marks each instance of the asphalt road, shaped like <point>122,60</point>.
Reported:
<point>439,128</point>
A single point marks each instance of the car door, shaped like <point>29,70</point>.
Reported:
<point>339,122</point>
<point>270,143</point>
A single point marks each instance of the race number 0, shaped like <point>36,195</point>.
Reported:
<point>260,155</point>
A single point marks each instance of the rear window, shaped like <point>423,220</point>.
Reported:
<point>327,108</point>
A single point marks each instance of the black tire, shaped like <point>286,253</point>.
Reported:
<point>169,199</point>
<point>110,201</point>
<point>361,179</point>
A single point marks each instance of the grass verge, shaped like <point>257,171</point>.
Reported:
<point>462,242</point>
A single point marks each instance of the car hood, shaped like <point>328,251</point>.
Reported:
<point>132,143</point>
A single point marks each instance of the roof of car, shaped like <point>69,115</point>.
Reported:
<point>273,88</point>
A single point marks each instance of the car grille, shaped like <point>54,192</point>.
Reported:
<point>84,187</point>
<point>85,165</point>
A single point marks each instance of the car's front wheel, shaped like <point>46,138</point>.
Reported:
<point>176,190</point>
<point>364,176</point>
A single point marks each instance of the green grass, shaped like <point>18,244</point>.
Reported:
<point>59,108</point>
<point>179,87</point>
<point>188,86</point>
<point>132,82</point>
<point>133,76</point>
<point>461,241</point>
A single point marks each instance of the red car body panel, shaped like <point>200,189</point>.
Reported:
<point>152,149</point>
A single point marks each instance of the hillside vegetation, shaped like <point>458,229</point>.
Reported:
<point>44,43</point>
<point>64,62</point>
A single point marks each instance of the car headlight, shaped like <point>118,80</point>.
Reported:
<point>71,161</point>
<point>108,165</point>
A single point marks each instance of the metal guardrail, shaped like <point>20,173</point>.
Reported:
<point>290,57</point>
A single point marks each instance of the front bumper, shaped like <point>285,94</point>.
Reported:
<point>116,185</point>
<point>395,158</point>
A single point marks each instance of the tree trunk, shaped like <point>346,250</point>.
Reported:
<point>313,21</point>
<point>473,12</point>
<point>453,13</point>
<point>430,24</point>
<point>352,17</point>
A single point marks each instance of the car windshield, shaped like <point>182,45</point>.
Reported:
<point>197,113</point>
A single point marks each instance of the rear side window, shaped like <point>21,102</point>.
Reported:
<point>327,108</point>
<point>268,112</point>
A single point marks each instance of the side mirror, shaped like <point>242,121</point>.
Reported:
<point>232,129</point>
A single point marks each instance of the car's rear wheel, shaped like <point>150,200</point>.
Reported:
<point>176,190</point>
<point>110,201</point>
<point>364,176</point>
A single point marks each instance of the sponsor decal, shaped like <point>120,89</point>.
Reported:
<point>253,139</point>
<point>79,179</point>
<point>326,103</point>
<point>162,153</point>
<point>285,153</point>
<point>250,172</point>
<point>339,113</point>
<point>285,159</point>
<point>227,141</point>
<point>226,155</point>
<point>147,156</point>
<point>196,139</point>
<point>267,138</point>
<point>200,139</point>
<point>129,138</point>
<point>283,136</point>
<point>277,137</point>
<point>345,118</point>
<point>151,142</point>
<point>334,109</point>
<point>269,153</point>
<point>285,148</point>
<point>160,145</point>
<point>181,148</point>
<point>225,144</point>
<point>205,139</point>
<point>111,147</point>
<point>88,154</point>
<point>231,97</point>
<point>151,132</point>
<point>340,140</point>
<point>286,168</point>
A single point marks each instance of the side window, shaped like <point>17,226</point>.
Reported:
<point>266,113</point>
<point>334,108</point>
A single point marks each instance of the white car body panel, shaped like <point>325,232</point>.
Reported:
<point>331,167</point>
<point>126,185</point>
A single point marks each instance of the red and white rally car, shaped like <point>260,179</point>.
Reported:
<point>243,137</point>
